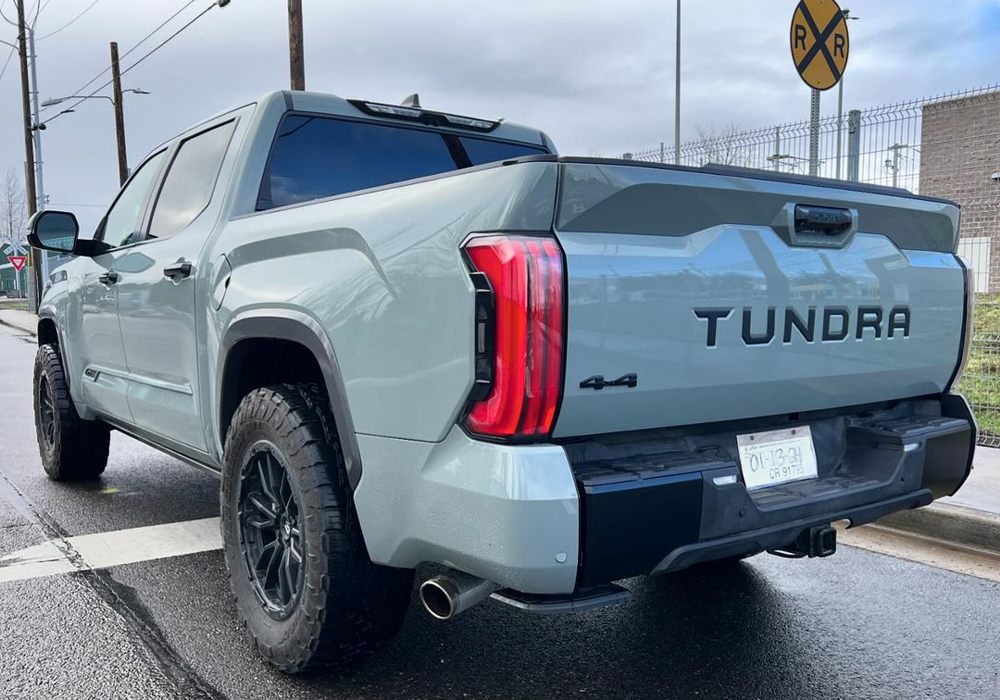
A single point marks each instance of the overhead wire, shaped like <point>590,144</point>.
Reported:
<point>141,41</point>
<point>134,64</point>
<point>78,16</point>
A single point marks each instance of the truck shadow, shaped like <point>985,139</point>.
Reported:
<point>715,630</point>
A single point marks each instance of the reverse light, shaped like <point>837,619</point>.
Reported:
<point>519,340</point>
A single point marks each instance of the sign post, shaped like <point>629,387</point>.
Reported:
<point>820,45</point>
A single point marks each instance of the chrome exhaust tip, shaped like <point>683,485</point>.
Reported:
<point>447,595</point>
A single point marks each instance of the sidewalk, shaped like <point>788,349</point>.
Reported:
<point>982,490</point>
<point>21,320</point>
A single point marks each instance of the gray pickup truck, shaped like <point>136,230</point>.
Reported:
<point>406,337</point>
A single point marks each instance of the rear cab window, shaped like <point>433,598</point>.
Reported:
<point>317,156</point>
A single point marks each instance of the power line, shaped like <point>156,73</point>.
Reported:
<point>6,63</point>
<point>81,14</point>
<point>156,48</point>
<point>158,27</point>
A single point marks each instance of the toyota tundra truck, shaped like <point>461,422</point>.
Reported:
<point>406,337</point>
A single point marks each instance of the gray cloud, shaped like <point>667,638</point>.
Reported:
<point>597,76</point>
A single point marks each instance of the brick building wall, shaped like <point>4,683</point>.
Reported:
<point>960,160</point>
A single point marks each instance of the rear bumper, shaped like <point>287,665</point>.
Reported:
<point>551,519</point>
<point>660,513</point>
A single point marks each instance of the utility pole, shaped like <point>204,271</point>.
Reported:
<point>296,59</point>
<point>119,115</point>
<point>29,150</point>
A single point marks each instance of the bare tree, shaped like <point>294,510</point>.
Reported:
<point>723,146</point>
<point>13,208</point>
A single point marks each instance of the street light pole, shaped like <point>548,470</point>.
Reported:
<point>677,92</point>
<point>42,259</point>
<point>119,115</point>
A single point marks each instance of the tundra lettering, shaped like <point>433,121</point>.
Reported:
<point>836,323</point>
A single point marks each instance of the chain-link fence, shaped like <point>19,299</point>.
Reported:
<point>944,146</point>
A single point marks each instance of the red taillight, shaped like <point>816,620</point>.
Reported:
<point>525,276</point>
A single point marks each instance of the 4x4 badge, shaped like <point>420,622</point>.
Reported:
<point>597,382</point>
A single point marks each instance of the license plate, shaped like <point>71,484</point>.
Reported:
<point>776,457</point>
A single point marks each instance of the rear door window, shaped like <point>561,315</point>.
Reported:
<point>187,188</point>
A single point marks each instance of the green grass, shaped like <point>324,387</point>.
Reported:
<point>15,304</point>
<point>981,382</point>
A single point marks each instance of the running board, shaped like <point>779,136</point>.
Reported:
<point>589,599</point>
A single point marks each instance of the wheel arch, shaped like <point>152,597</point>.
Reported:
<point>286,326</point>
<point>47,331</point>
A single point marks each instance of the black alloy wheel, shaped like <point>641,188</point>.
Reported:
<point>46,416</point>
<point>269,517</point>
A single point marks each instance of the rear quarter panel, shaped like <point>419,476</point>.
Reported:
<point>382,273</point>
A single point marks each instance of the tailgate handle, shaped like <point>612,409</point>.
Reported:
<point>822,220</point>
<point>816,226</point>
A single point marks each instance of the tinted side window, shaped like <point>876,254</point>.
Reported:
<point>188,187</point>
<point>123,219</point>
<point>317,157</point>
<point>485,151</point>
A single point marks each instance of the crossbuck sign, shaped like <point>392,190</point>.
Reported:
<point>820,43</point>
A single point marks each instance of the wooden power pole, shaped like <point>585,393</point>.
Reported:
<point>296,59</point>
<point>29,149</point>
<point>119,115</point>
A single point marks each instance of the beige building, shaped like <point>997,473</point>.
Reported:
<point>960,160</point>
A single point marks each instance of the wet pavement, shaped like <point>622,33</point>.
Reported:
<point>856,625</point>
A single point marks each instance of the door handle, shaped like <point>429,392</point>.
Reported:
<point>108,278</point>
<point>177,271</point>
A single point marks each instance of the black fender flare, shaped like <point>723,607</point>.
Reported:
<point>299,327</point>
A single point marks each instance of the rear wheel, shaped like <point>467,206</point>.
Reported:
<point>304,585</point>
<point>71,448</point>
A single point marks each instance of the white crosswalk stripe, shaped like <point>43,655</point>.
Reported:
<point>105,549</point>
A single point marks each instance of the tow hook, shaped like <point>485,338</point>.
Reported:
<point>819,541</point>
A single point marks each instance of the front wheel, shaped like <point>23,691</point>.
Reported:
<point>71,448</point>
<point>298,567</point>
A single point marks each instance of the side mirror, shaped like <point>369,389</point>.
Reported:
<point>53,230</point>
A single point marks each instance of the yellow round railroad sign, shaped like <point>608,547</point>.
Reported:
<point>820,42</point>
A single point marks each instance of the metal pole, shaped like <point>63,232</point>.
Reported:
<point>814,134</point>
<point>119,115</point>
<point>296,59</point>
<point>677,92</point>
<point>777,148</point>
<point>29,150</point>
<point>663,157</point>
<point>853,144</point>
<point>840,120</point>
<point>43,256</point>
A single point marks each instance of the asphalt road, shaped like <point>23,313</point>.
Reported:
<point>856,625</point>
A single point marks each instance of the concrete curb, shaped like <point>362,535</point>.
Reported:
<point>957,525</point>
<point>29,331</point>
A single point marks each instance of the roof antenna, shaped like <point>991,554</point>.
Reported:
<point>411,101</point>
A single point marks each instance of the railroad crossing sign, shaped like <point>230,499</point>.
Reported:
<point>17,247</point>
<point>17,261</point>
<point>820,42</point>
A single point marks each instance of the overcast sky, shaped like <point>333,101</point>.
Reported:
<point>597,76</point>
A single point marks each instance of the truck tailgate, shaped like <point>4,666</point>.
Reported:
<point>700,287</point>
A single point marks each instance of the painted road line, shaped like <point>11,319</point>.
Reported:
<point>106,549</point>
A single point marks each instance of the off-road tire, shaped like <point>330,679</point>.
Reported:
<point>71,448</point>
<point>346,606</point>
